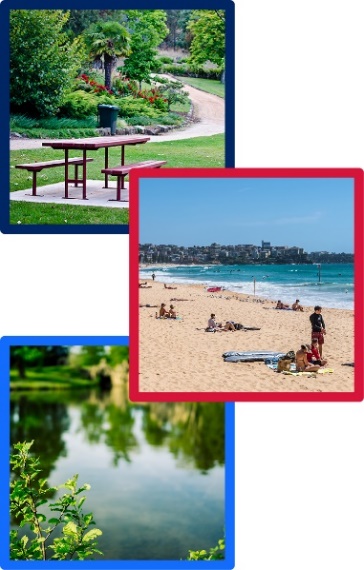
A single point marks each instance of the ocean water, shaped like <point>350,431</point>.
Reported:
<point>334,287</point>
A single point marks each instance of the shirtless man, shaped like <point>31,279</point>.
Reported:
<point>163,313</point>
<point>281,305</point>
<point>296,306</point>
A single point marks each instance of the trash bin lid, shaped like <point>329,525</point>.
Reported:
<point>101,106</point>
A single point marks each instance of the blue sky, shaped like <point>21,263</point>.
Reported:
<point>313,213</point>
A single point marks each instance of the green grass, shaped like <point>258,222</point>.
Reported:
<point>50,377</point>
<point>199,152</point>
<point>212,86</point>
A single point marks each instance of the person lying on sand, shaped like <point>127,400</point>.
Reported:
<point>174,299</point>
<point>296,306</point>
<point>281,305</point>
<point>147,305</point>
<point>144,285</point>
<point>302,363</point>
<point>169,287</point>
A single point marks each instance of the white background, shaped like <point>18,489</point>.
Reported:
<point>299,467</point>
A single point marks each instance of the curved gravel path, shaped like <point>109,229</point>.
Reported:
<point>209,111</point>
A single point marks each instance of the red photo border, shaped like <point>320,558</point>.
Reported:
<point>140,396</point>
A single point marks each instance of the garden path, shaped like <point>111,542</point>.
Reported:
<point>209,114</point>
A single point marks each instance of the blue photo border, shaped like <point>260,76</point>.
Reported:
<point>6,563</point>
<point>7,5</point>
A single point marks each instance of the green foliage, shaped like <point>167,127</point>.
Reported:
<point>108,41</point>
<point>173,93</point>
<point>129,107</point>
<point>215,553</point>
<point>51,123</point>
<point>208,32</point>
<point>79,105</point>
<point>193,70</point>
<point>28,492</point>
<point>43,61</point>
<point>165,59</point>
<point>148,29</point>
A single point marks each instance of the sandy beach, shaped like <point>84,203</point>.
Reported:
<point>179,356</point>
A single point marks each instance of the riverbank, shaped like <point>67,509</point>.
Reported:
<point>179,356</point>
<point>50,378</point>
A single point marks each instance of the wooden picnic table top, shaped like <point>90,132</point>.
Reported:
<point>94,143</point>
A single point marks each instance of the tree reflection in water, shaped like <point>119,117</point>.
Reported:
<point>193,432</point>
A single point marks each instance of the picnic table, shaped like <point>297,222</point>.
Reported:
<point>92,143</point>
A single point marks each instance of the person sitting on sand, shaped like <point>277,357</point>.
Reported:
<point>302,363</point>
<point>172,312</point>
<point>212,324</point>
<point>314,355</point>
<point>169,287</point>
<point>281,305</point>
<point>296,306</point>
<point>163,313</point>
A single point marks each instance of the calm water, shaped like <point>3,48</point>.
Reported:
<point>156,471</point>
<point>285,282</point>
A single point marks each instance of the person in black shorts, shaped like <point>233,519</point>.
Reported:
<point>318,327</point>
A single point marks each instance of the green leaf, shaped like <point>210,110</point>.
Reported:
<point>92,534</point>
<point>70,528</point>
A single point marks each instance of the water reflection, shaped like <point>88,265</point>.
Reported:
<point>156,470</point>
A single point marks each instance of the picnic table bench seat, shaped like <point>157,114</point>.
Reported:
<point>123,170</point>
<point>38,166</point>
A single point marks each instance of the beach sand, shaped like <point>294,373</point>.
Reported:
<point>179,356</point>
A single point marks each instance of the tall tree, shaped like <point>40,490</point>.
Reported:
<point>108,40</point>
<point>148,29</point>
<point>177,25</point>
<point>208,37</point>
<point>43,61</point>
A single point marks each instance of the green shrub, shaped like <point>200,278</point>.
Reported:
<point>129,107</point>
<point>28,492</point>
<point>165,59</point>
<point>79,105</point>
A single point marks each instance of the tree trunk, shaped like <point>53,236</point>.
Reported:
<point>108,70</point>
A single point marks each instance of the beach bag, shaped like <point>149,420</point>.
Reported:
<point>290,356</point>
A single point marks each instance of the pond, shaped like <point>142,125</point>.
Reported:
<point>156,470</point>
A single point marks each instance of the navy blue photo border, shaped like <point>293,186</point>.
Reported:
<point>7,5</point>
<point>5,344</point>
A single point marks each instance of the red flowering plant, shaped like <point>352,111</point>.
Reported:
<point>95,87</point>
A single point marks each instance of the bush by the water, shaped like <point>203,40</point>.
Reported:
<point>28,492</point>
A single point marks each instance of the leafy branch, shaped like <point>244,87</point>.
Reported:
<point>28,492</point>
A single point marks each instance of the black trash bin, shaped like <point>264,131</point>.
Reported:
<point>108,115</point>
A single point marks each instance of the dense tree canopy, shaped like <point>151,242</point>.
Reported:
<point>43,61</point>
<point>147,29</point>
<point>208,37</point>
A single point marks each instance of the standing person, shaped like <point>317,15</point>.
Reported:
<point>153,276</point>
<point>318,327</point>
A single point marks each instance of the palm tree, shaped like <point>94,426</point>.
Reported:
<point>107,40</point>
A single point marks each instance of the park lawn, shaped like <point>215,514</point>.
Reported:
<point>199,152</point>
<point>213,86</point>
<point>49,378</point>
